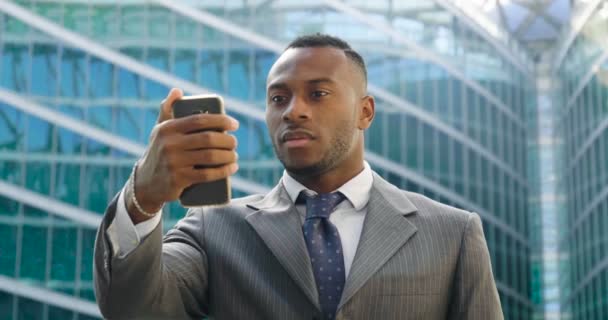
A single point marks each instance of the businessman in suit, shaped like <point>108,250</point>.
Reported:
<point>332,240</point>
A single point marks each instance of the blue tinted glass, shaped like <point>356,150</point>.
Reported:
<point>130,120</point>
<point>263,63</point>
<point>429,154</point>
<point>63,262</point>
<point>185,65</point>
<point>58,313</point>
<point>6,304</point>
<point>211,64</point>
<point>15,67</point>
<point>68,74</point>
<point>29,309</point>
<point>73,65</point>
<point>128,84</point>
<point>444,98</point>
<point>121,174</point>
<point>100,116</point>
<point>7,67</point>
<point>239,76</point>
<point>101,78</point>
<point>248,135</point>
<point>96,148</point>
<point>393,145</point>
<point>67,183</point>
<point>12,128</point>
<point>33,252</point>
<point>155,91</point>
<point>96,185</point>
<point>150,118</point>
<point>38,175</point>
<point>8,206</point>
<point>67,141</point>
<point>412,145</point>
<point>458,104</point>
<point>87,294</point>
<point>88,243</point>
<point>44,70</point>
<point>8,248</point>
<point>158,59</point>
<point>38,135</point>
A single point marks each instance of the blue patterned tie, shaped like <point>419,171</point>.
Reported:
<point>325,250</point>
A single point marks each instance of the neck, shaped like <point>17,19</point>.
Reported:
<point>330,180</point>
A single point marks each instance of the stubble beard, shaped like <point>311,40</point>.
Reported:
<point>334,155</point>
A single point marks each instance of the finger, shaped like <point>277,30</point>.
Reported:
<point>207,157</point>
<point>166,106</point>
<point>209,174</point>
<point>199,122</point>
<point>207,140</point>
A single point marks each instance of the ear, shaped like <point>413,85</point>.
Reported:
<point>367,113</point>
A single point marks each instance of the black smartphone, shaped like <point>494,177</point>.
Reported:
<point>207,193</point>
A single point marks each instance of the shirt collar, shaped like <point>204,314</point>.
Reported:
<point>356,190</point>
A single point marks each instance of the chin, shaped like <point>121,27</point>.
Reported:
<point>302,166</point>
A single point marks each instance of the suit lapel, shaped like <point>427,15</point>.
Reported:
<point>385,230</point>
<point>277,222</point>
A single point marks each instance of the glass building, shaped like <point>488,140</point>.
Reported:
<point>581,123</point>
<point>81,83</point>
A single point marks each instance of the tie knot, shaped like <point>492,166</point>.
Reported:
<point>321,205</point>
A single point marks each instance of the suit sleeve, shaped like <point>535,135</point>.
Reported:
<point>475,294</point>
<point>123,235</point>
<point>159,279</point>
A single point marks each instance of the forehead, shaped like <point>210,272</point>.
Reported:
<point>309,63</point>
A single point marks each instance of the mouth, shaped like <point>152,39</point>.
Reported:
<point>296,138</point>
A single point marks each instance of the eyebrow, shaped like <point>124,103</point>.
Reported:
<point>320,80</point>
<point>282,85</point>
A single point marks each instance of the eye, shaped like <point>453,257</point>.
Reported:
<point>319,94</point>
<point>277,99</point>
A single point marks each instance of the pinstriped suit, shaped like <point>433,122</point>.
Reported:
<point>416,259</point>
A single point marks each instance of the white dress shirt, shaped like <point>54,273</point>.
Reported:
<point>348,217</point>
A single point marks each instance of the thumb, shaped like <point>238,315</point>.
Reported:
<point>166,106</point>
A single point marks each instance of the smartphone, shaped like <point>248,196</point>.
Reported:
<point>206,193</point>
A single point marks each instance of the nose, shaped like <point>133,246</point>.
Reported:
<point>297,110</point>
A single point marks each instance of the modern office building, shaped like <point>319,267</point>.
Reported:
<point>81,82</point>
<point>581,123</point>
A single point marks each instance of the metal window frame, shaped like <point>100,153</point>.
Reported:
<point>110,139</point>
<point>578,22</point>
<point>83,217</point>
<point>98,50</point>
<point>425,54</point>
<point>470,20</point>
<point>49,297</point>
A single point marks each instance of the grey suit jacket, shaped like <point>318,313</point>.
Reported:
<point>416,259</point>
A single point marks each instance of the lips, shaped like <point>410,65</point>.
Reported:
<point>296,138</point>
<point>289,135</point>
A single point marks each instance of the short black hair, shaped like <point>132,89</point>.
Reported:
<point>325,40</point>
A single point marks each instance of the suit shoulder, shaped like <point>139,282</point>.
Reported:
<point>432,209</point>
<point>236,206</point>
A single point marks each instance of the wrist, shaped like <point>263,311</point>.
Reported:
<point>140,207</point>
<point>144,203</point>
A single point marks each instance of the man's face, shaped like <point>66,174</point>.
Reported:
<point>313,109</point>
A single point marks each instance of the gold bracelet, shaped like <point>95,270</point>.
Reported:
<point>133,198</point>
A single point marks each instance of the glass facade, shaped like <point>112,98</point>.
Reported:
<point>583,129</point>
<point>451,123</point>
